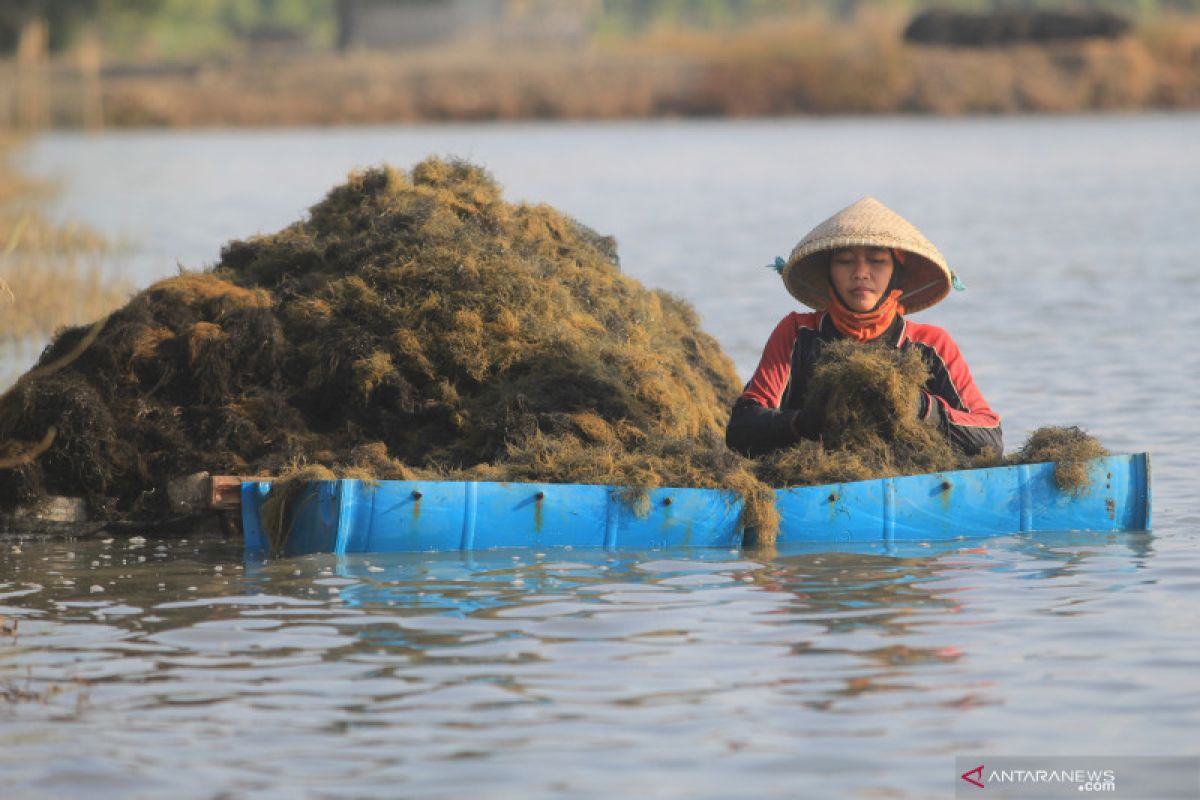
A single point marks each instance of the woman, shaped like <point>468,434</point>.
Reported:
<point>861,269</point>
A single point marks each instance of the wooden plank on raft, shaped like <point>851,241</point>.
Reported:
<point>226,491</point>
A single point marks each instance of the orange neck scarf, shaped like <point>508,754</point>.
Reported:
<point>864,325</point>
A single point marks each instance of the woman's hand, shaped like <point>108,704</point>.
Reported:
<point>922,404</point>
<point>808,422</point>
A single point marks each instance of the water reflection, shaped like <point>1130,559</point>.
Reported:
<point>573,664</point>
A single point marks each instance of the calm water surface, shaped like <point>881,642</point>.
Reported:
<point>171,668</point>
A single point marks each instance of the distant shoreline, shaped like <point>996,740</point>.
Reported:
<point>796,67</point>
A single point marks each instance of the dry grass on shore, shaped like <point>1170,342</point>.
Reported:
<point>51,275</point>
<point>810,65</point>
<point>806,64</point>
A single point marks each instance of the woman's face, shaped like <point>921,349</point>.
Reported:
<point>861,275</point>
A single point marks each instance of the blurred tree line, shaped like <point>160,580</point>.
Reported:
<point>172,27</point>
<point>634,15</point>
<point>197,28</point>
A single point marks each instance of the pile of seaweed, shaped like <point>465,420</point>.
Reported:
<point>412,323</point>
<point>415,324</point>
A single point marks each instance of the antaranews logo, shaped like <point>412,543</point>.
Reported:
<point>1080,779</point>
<point>1073,777</point>
<point>977,780</point>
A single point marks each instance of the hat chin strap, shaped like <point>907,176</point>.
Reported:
<point>907,295</point>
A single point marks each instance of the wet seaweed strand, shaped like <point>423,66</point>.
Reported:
<point>1068,447</point>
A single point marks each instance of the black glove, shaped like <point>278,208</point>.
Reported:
<point>923,401</point>
<point>808,422</point>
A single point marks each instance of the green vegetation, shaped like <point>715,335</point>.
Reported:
<point>173,28</point>
<point>185,28</point>
<point>190,29</point>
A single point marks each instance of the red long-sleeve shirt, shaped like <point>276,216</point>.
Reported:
<point>764,416</point>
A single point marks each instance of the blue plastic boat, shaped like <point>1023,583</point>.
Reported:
<point>353,516</point>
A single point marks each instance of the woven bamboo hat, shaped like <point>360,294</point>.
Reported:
<point>868,223</point>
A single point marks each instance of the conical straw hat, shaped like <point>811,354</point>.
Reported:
<point>867,223</point>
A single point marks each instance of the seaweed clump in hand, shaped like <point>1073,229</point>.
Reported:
<point>867,398</point>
